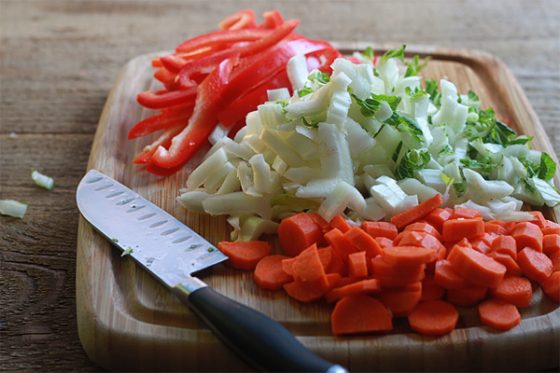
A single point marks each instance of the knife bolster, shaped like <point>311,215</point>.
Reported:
<point>185,288</point>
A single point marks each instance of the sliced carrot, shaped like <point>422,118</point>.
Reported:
<point>384,242</point>
<point>527,235</point>
<point>539,219</point>
<point>505,245</point>
<point>340,244</point>
<point>490,227</point>
<point>480,245</point>
<point>489,238</point>
<point>335,280</point>
<point>476,267</point>
<point>423,227</point>
<point>555,260</point>
<point>297,233</point>
<point>551,227</point>
<point>322,223</point>
<point>340,223</point>
<point>551,286</point>
<point>325,256</point>
<point>551,243</point>
<point>498,314</point>
<point>337,265</point>
<point>303,292</point>
<point>438,217</point>
<point>446,277</point>
<point>512,268</point>
<point>245,255</point>
<point>433,318</point>
<point>269,273</point>
<point>380,229</point>
<point>431,290</point>
<point>357,264</point>
<point>515,290</point>
<point>465,213</point>
<point>417,212</point>
<point>535,265</point>
<point>361,287</point>
<point>409,255</point>
<point>308,267</point>
<point>391,275</point>
<point>467,297</point>
<point>360,314</point>
<point>401,301</point>
<point>363,242</point>
<point>288,265</point>
<point>455,230</point>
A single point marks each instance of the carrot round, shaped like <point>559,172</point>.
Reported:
<point>515,290</point>
<point>297,233</point>
<point>360,314</point>
<point>340,223</point>
<point>512,268</point>
<point>395,276</point>
<point>340,243</point>
<point>438,217</point>
<point>409,255</point>
<point>384,242</point>
<point>307,266</point>
<point>245,255</point>
<point>416,238</point>
<point>401,301</point>
<point>465,213</point>
<point>466,297</point>
<point>305,292</point>
<point>505,245</point>
<point>551,227</point>
<point>551,243</point>
<point>555,260</point>
<point>357,264</point>
<point>417,212</point>
<point>380,229</point>
<point>455,230</point>
<point>480,245</point>
<point>535,265</point>
<point>551,286</point>
<point>491,227</point>
<point>431,290</point>
<point>269,273</point>
<point>325,256</point>
<point>363,242</point>
<point>423,227</point>
<point>476,267</point>
<point>528,235</point>
<point>288,265</point>
<point>498,314</point>
<point>356,288</point>
<point>538,219</point>
<point>433,318</point>
<point>446,277</point>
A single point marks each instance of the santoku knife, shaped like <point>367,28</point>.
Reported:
<point>172,252</point>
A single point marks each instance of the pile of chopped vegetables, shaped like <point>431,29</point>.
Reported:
<point>214,80</point>
<point>370,141</point>
<point>422,265</point>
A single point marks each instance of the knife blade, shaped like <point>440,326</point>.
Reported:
<point>172,253</point>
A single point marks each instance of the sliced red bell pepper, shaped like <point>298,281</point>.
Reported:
<point>164,99</point>
<point>162,171</point>
<point>160,122</point>
<point>205,65</point>
<point>164,140</point>
<point>240,107</point>
<point>240,20</point>
<point>165,76</point>
<point>173,63</point>
<point>272,19</point>
<point>202,122</point>
<point>219,38</point>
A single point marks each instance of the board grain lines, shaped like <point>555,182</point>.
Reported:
<point>58,61</point>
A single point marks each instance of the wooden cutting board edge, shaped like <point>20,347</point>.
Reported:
<point>110,347</point>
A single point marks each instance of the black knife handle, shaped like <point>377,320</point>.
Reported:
<point>261,341</point>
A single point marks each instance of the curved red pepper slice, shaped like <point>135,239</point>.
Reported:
<point>159,122</point>
<point>240,20</point>
<point>205,65</point>
<point>153,100</point>
<point>202,122</point>
<point>164,140</point>
<point>272,19</point>
<point>219,38</point>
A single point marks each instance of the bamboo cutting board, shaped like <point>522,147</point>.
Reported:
<point>128,321</point>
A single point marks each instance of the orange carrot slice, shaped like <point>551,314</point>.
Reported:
<point>438,217</point>
<point>539,219</point>
<point>356,288</point>
<point>465,213</point>
<point>528,235</point>
<point>505,245</point>
<point>245,255</point>
<point>297,233</point>
<point>305,292</point>
<point>512,268</point>
<point>423,227</point>
<point>269,273</point>
<point>340,244</point>
<point>446,277</point>
<point>409,255</point>
<point>551,287</point>
<point>433,318</point>
<point>455,230</point>
<point>535,265</point>
<point>401,301</point>
<point>476,267</point>
<point>363,242</point>
<point>431,290</point>
<point>340,223</point>
<point>515,290</point>
<point>555,260</point>
<point>551,243</point>
<point>467,297</point>
<point>498,314</point>
<point>384,242</point>
<point>360,314</point>
<point>417,212</point>
<point>491,227</point>
<point>308,267</point>
<point>380,229</point>
<point>551,227</point>
<point>357,264</point>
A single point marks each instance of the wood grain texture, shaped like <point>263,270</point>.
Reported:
<point>122,307</point>
<point>58,60</point>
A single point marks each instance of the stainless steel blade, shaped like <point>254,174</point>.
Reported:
<point>158,241</point>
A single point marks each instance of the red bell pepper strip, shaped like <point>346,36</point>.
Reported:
<point>240,107</point>
<point>157,100</point>
<point>165,76</point>
<point>162,171</point>
<point>272,19</point>
<point>219,38</point>
<point>159,122</point>
<point>202,122</point>
<point>205,65</point>
<point>164,140</point>
<point>240,20</point>
<point>173,63</point>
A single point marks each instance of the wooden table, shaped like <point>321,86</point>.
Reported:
<point>59,59</point>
